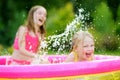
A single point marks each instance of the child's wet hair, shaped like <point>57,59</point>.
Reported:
<point>78,38</point>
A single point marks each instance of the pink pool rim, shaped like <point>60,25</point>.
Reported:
<point>103,64</point>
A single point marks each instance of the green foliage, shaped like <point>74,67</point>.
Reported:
<point>103,20</point>
<point>11,19</point>
<point>118,22</point>
<point>118,29</point>
<point>4,51</point>
<point>88,5</point>
<point>111,42</point>
<point>58,19</point>
<point>2,32</point>
<point>14,24</point>
<point>105,28</point>
<point>107,52</point>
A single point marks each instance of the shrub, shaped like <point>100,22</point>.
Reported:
<point>110,42</point>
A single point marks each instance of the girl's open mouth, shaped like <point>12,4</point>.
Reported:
<point>40,20</point>
<point>88,55</point>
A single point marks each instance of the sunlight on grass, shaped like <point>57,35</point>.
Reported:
<point>116,53</point>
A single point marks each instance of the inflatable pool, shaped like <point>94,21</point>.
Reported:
<point>103,68</point>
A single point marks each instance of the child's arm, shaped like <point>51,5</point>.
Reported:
<point>40,59</point>
<point>70,58</point>
<point>21,42</point>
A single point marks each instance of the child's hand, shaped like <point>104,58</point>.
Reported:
<point>39,59</point>
<point>35,60</point>
<point>44,60</point>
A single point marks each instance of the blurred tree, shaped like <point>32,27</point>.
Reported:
<point>7,14</point>
<point>58,19</point>
<point>102,17</point>
<point>104,24</point>
<point>88,5</point>
<point>118,22</point>
<point>114,4</point>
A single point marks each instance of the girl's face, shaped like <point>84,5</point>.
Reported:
<point>40,16</point>
<point>87,49</point>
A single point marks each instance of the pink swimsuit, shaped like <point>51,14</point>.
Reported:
<point>31,43</point>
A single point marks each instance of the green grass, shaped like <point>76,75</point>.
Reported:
<point>4,52</point>
<point>115,53</point>
<point>104,52</point>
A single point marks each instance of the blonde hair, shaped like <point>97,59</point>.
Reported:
<point>78,39</point>
<point>30,20</point>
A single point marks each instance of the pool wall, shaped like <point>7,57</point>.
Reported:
<point>103,68</point>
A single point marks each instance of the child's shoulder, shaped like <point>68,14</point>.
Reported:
<point>22,28</point>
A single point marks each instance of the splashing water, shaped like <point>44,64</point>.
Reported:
<point>62,42</point>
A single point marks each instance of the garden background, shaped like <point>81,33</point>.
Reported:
<point>103,22</point>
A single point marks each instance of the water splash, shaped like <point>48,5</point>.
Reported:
<point>62,42</point>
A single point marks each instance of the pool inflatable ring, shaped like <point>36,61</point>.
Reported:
<point>103,68</point>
